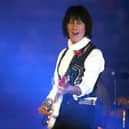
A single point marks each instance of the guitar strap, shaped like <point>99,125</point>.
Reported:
<point>60,62</point>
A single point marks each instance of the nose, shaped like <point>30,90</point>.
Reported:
<point>74,24</point>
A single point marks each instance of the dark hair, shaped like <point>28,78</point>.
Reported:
<point>78,12</point>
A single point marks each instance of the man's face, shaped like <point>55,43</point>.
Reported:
<point>76,30</point>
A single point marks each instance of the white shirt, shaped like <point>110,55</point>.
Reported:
<point>94,65</point>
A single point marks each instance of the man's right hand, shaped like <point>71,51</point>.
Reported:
<point>45,108</point>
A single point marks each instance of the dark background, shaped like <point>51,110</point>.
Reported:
<point>30,40</point>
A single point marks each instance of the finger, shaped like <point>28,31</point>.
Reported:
<point>60,90</point>
<point>43,110</point>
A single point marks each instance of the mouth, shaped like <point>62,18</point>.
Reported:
<point>75,33</point>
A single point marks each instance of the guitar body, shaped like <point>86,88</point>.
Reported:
<point>55,111</point>
<point>56,105</point>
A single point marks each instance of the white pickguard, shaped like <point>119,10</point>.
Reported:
<point>55,111</point>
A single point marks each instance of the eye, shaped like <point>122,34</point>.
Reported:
<point>79,22</point>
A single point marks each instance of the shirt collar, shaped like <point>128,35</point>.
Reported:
<point>78,45</point>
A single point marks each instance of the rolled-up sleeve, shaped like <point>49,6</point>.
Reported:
<point>94,65</point>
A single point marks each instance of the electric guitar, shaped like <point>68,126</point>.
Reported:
<point>56,105</point>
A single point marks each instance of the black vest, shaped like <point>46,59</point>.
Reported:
<point>76,68</point>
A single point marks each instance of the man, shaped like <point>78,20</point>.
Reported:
<point>77,70</point>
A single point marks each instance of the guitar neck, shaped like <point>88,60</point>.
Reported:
<point>62,83</point>
<point>58,96</point>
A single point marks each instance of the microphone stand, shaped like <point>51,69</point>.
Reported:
<point>115,79</point>
<point>115,87</point>
<point>123,118</point>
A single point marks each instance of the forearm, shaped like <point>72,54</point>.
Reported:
<point>74,90</point>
